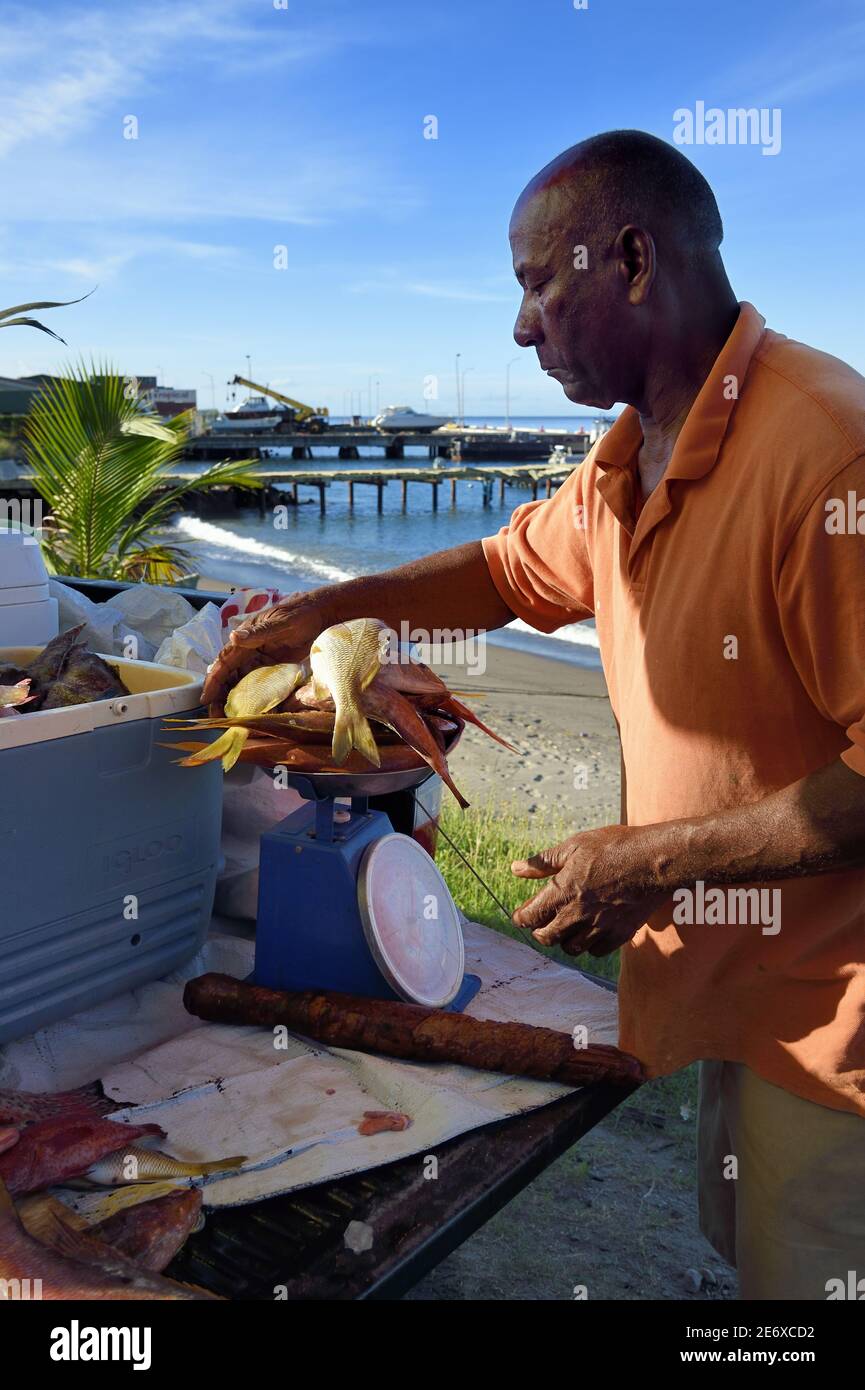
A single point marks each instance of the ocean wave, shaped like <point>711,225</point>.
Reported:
<point>225,547</point>
<point>579,633</point>
<point>219,538</point>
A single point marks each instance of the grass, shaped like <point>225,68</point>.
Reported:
<point>490,837</point>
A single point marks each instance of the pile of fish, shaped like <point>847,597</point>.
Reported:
<point>317,715</point>
<point>122,1249</point>
<point>64,673</point>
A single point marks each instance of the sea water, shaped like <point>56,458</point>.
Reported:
<point>309,549</point>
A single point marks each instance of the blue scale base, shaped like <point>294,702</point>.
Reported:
<point>309,933</point>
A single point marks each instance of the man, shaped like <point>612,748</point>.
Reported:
<point>713,534</point>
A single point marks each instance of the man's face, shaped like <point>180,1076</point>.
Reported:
<point>567,313</point>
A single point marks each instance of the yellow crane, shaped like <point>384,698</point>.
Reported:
<point>305,416</point>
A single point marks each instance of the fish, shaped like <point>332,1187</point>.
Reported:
<point>85,677</point>
<point>46,667</point>
<point>9,1136</point>
<point>151,1233</point>
<point>306,726</point>
<point>258,693</point>
<point>149,1228</point>
<point>452,705</point>
<point>25,1107</point>
<point>392,708</point>
<point>17,694</point>
<point>344,659</point>
<point>133,1164</point>
<point>53,1150</point>
<point>74,1264</point>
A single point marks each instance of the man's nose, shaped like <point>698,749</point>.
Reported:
<point>526,329</point>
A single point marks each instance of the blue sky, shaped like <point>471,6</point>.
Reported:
<point>302,126</point>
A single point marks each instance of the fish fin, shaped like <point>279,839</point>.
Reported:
<point>229,748</point>
<point>221,1165</point>
<point>353,731</point>
<point>469,715</point>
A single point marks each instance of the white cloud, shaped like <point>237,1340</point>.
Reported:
<point>430,290</point>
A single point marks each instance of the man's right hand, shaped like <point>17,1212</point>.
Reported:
<point>284,632</point>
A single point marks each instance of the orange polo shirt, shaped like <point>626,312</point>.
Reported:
<point>731,623</point>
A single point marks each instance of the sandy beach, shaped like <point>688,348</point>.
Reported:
<point>558,716</point>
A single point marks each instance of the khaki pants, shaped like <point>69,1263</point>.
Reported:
<point>793,1218</point>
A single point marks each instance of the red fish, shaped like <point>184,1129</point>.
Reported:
<point>25,1107</point>
<point>74,1265</point>
<point>52,1150</point>
<point>8,1136</point>
<point>151,1233</point>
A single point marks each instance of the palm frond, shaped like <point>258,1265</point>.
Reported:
<point>21,312</point>
<point>101,464</point>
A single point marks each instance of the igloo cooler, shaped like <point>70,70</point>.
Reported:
<point>108,850</point>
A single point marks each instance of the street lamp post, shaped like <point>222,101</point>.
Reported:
<point>209,375</point>
<point>508,391</point>
<point>377,398</point>
<point>466,371</point>
<point>458,356</point>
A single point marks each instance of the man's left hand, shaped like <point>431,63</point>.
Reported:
<point>603,888</point>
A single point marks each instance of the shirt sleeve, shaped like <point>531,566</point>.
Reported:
<point>822,602</point>
<point>540,561</point>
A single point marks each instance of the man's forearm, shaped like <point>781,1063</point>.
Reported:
<point>451,589</point>
<point>814,826</point>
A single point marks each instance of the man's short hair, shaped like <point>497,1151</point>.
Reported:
<point>637,178</point>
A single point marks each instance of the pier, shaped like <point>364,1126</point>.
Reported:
<point>453,444</point>
<point>282,483</point>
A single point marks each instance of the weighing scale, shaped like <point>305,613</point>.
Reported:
<point>346,903</point>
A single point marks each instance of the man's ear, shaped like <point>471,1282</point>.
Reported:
<point>636,261</point>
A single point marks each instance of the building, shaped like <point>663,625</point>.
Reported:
<point>166,401</point>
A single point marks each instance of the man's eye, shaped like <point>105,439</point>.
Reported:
<point>535,289</point>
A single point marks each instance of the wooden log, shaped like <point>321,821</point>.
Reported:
<point>380,503</point>
<point>411,1031</point>
<point>453,492</point>
<point>404,493</point>
<point>350,494</point>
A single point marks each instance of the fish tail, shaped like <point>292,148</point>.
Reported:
<point>457,707</point>
<point>219,1165</point>
<point>351,730</point>
<point>229,748</point>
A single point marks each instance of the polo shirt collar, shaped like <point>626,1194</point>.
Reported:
<point>699,442</point>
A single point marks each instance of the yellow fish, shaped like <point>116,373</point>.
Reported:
<point>258,693</point>
<point>137,1164</point>
<point>344,659</point>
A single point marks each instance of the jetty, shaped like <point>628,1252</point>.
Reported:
<point>282,484</point>
<point>352,442</point>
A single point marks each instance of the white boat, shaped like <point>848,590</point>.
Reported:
<point>402,419</point>
<point>256,413</point>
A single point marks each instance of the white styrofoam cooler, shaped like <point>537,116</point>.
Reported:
<point>108,850</point>
<point>28,613</point>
